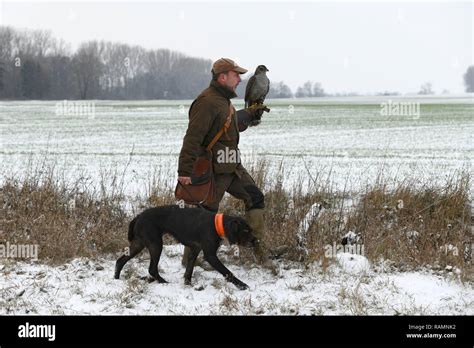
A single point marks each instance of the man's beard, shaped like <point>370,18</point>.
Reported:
<point>232,89</point>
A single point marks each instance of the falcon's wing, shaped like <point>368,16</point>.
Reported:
<point>268,89</point>
<point>248,90</point>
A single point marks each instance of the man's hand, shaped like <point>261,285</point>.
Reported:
<point>257,110</point>
<point>184,180</point>
<point>255,113</point>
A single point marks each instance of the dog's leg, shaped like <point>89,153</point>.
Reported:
<point>155,253</point>
<point>135,247</point>
<point>218,266</point>
<point>190,265</point>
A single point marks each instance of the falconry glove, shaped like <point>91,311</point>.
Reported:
<point>251,116</point>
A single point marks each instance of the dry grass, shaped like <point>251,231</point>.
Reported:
<point>65,220</point>
<point>409,224</point>
<point>413,225</point>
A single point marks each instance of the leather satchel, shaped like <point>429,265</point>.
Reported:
<point>202,188</point>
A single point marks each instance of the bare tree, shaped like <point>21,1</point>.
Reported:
<point>2,74</point>
<point>469,79</point>
<point>426,88</point>
<point>305,91</point>
<point>88,68</point>
<point>116,60</point>
<point>6,43</point>
<point>279,90</point>
<point>62,78</point>
<point>60,48</point>
<point>41,42</point>
<point>34,81</point>
<point>24,52</point>
<point>318,90</point>
<point>9,54</point>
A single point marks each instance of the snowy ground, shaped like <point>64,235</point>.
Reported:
<point>348,286</point>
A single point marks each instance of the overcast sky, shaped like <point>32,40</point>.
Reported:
<point>364,47</point>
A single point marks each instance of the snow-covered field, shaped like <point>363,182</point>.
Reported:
<point>346,140</point>
<point>348,286</point>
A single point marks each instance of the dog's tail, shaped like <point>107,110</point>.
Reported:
<point>131,226</point>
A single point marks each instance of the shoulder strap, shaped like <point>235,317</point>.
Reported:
<point>227,123</point>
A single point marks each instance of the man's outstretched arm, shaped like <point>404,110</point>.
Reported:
<point>250,117</point>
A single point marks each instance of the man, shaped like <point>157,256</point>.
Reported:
<point>207,115</point>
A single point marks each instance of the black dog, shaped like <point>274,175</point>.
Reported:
<point>193,227</point>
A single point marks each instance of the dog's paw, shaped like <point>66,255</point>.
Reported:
<point>187,282</point>
<point>242,286</point>
<point>199,287</point>
<point>238,283</point>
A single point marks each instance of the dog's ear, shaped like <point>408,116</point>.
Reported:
<point>232,230</point>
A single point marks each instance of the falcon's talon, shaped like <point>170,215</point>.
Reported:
<point>259,105</point>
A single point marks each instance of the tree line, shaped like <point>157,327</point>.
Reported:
<point>36,65</point>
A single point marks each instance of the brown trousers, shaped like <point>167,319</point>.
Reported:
<point>240,185</point>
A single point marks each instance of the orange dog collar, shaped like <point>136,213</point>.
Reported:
<point>219,224</point>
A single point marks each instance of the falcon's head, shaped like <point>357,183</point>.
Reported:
<point>261,69</point>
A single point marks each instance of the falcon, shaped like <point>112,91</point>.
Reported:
<point>257,87</point>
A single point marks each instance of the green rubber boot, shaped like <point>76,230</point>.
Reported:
<point>256,220</point>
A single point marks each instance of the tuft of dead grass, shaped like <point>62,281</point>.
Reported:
<point>64,220</point>
<point>415,225</point>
